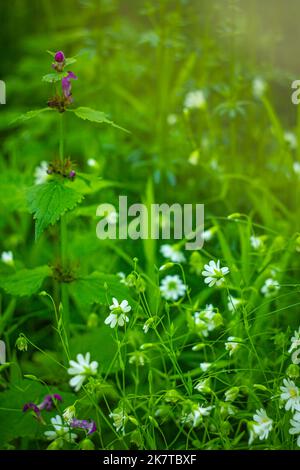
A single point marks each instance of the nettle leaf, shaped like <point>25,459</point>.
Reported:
<point>89,114</point>
<point>100,288</point>
<point>54,77</point>
<point>25,281</point>
<point>49,201</point>
<point>31,114</point>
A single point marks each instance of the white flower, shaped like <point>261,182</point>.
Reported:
<point>137,358</point>
<point>195,100</point>
<point>291,139</point>
<point>61,431</point>
<point>256,242</point>
<point>296,168</point>
<point>203,386</point>
<point>270,287</point>
<point>214,274</point>
<point>195,417</point>
<point>69,413</point>
<point>204,366</point>
<point>172,253</point>
<point>205,320</point>
<point>172,287</point>
<point>92,163</point>
<point>290,394</point>
<point>208,234</point>
<point>295,429</point>
<point>40,173</point>
<point>122,277</point>
<point>118,313</point>
<point>2,352</point>
<point>295,341</point>
<point>233,303</point>
<point>232,344</point>
<point>172,119</point>
<point>81,370</point>
<point>262,427</point>
<point>119,418</point>
<point>7,257</point>
<point>259,87</point>
<point>232,393</point>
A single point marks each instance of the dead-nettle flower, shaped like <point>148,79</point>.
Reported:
<point>118,312</point>
<point>214,274</point>
<point>59,61</point>
<point>67,86</point>
<point>48,403</point>
<point>89,426</point>
<point>59,56</point>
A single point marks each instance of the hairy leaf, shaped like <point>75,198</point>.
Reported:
<point>92,115</point>
<point>49,201</point>
<point>25,281</point>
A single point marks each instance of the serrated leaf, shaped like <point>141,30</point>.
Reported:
<point>49,201</point>
<point>54,77</point>
<point>30,115</point>
<point>89,114</point>
<point>91,288</point>
<point>25,281</point>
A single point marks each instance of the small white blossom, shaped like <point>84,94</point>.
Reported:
<point>290,394</point>
<point>61,432</point>
<point>295,341</point>
<point>40,173</point>
<point>118,313</point>
<point>233,303</point>
<point>296,168</point>
<point>69,413</point>
<point>295,429</point>
<point>195,100</point>
<point>270,287</point>
<point>208,234</point>
<point>137,358</point>
<point>214,274</point>
<point>7,257</point>
<point>259,87</point>
<point>195,417</point>
<point>291,139</point>
<point>172,287</point>
<point>92,163</point>
<point>256,242</point>
<point>203,386</point>
<point>120,418</point>
<point>232,344</point>
<point>81,369</point>
<point>172,253</point>
<point>261,427</point>
<point>205,320</point>
<point>204,366</point>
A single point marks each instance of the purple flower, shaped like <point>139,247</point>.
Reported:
<point>59,56</point>
<point>49,402</point>
<point>31,406</point>
<point>72,175</point>
<point>89,426</point>
<point>66,85</point>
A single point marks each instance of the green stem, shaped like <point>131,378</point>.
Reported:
<point>63,238</point>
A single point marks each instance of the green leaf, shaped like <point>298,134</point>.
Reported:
<point>30,115</point>
<point>70,60</point>
<point>100,288</point>
<point>49,201</point>
<point>25,281</point>
<point>89,114</point>
<point>54,77</point>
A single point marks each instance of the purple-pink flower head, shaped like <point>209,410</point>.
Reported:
<point>89,426</point>
<point>33,407</point>
<point>66,85</point>
<point>59,56</point>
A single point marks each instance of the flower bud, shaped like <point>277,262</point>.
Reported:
<point>86,444</point>
<point>92,321</point>
<point>59,56</point>
<point>21,343</point>
<point>69,413</point>
<point>72,175</point>
<point>55,445</point>
<point>292,371</point>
